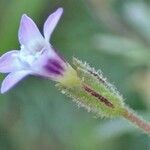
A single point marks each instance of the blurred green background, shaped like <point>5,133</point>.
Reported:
<point>112,35</point>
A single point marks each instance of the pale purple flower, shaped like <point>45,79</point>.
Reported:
<point>36,55</point>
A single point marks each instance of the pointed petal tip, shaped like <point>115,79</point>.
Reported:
<point>24,16</point>
<point>4,87</point>
<point>3,91</point>
<point>51,23</point>
<point>60,9</point>
<point>23,20</point>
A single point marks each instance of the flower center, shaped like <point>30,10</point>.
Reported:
<point>29,57</point>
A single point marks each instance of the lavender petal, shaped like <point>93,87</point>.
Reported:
<point>12,79</point>
<point>28,32</point>
<point>51,23</point>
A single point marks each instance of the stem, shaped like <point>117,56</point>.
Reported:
<point>135,119</point>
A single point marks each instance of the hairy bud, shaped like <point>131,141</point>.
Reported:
<point>93,92</point>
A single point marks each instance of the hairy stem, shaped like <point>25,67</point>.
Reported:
<point>127,113</point>
<point>135,119</point>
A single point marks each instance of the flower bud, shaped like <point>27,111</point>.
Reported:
<point>93,92</point>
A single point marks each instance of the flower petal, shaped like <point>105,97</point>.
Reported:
<point>51,23</point>
<point>28,32</point>
<point>8,60</point>
<point>12,79</point>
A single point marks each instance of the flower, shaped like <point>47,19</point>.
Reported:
<point>37,56</point>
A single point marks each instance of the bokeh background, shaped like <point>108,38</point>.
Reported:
<point>112,35</point>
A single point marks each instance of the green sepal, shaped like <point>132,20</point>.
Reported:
<point>96,82</point>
